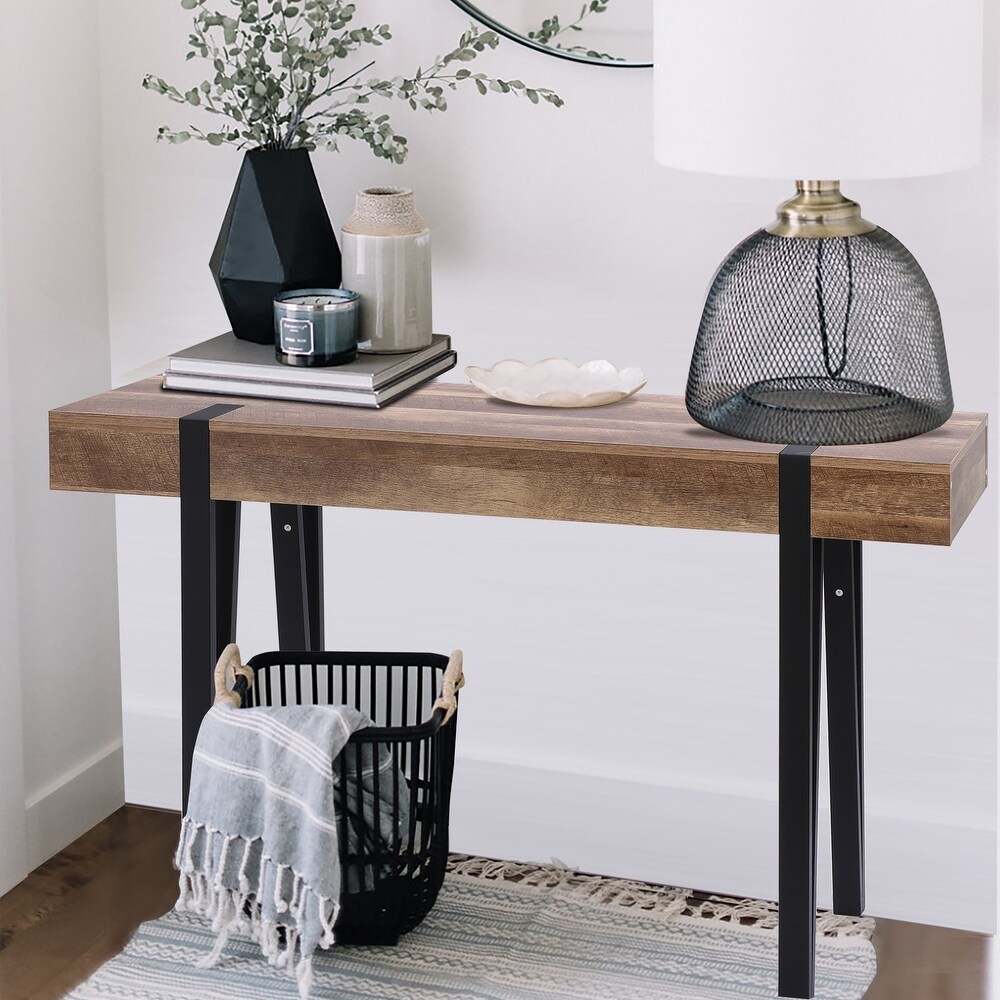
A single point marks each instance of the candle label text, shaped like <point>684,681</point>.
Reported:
<point>296,336</point>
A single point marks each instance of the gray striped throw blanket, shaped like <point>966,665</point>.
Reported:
<point>258,848</point>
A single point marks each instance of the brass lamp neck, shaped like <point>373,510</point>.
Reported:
<point>818,211</point>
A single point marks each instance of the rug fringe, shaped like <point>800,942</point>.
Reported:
<point>665,901</point>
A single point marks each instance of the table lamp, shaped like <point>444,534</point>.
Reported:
<point>821,328</point>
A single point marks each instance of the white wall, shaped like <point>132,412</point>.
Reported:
<point>60,708</point>
<point>621,710</point>
<point>13,829</point>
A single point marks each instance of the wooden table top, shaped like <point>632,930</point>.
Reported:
<point>448,448</point>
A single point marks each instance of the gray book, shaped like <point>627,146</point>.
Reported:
<point>228,358</point>
<point>373,398</point>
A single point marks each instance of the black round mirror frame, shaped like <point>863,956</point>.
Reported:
<point>502,29</point>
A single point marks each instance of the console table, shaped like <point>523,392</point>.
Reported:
<point>447,448</point>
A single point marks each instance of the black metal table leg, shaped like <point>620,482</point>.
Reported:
<point>297,541</point>
<point>312,544</point>
<point>842,591</point>
<point>227,568</point>
<point>209,557</point>
<point>799,632</point>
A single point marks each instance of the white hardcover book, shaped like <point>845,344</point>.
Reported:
<point>373,398</point>
<point>229,358</point>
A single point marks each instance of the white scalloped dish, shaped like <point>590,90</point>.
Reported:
<point>557,382</point>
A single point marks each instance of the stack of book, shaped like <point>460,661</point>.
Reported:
<point>234,367</point>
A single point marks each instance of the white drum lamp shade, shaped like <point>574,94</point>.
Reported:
<point>820,329</point>
<point>801,89</point>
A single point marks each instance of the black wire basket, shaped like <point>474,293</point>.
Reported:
<point>393,816</point>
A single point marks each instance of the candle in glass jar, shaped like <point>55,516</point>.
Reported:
<point>316,326</point>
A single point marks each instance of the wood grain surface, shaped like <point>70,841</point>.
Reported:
<point>450,449</point>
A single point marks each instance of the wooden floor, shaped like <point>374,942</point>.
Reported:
<point>79,909</point>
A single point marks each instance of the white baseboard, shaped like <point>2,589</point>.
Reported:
<point>933,873</point>
<point>922,871</point>
<point>77,801</point>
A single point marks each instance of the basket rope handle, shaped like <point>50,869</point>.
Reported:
<point>454,678</point>
<point>230,659</point>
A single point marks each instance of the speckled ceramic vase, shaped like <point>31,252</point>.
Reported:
<point>387,261</point>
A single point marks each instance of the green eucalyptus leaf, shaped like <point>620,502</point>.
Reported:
<point>277,80</point>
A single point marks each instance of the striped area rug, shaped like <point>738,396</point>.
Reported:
<point>510,932</point>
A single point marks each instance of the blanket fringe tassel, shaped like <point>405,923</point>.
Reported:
<point>202,890</point>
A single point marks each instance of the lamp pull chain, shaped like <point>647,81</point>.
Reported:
<point>821,304</point>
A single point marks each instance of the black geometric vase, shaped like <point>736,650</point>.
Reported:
<point>276,236</point>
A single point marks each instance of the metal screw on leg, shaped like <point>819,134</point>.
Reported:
<point>288,527</point>
<point>840,593</point>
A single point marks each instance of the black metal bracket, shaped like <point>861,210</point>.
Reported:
<point>800,559</point>
<point>210,531</point>
<point>809,570</point>
<point>209,563</point>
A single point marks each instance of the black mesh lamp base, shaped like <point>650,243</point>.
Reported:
<point>820,340</point>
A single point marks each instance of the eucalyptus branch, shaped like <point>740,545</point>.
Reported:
<point>339,85</point>
<point>552,27</point>
<point>273,61</point>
